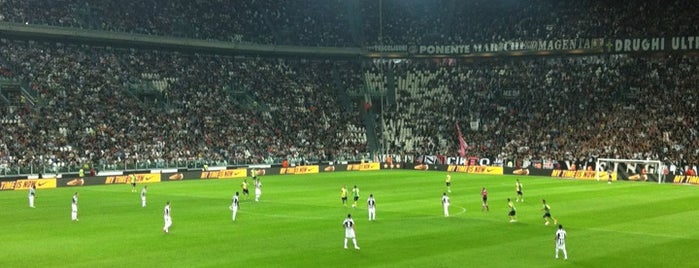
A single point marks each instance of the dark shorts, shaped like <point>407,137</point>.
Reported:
<point>547,215</point>
<point>133,184</point>
<point>246,191</point>
<point>512,213</point>
<point>344,199</point>
<point>356,198</point>
<point>519,192</point>
<point>485,199</point>
<point>448,184</point>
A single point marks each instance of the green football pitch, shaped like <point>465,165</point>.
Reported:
<point>298,223</point>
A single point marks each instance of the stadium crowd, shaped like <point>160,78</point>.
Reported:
<point>207,107</point>
<point>121,106</point>
<point>365,22</point>
<point>560,108</point>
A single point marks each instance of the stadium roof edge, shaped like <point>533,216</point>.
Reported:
<point>67,34</point>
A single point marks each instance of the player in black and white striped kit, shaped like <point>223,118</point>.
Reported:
<point>235,204</point>
<point>258,190</point>
<point>167,217</point>
<point>32,195</point>
<point>74,208</point>
<point>561,242</point>
<point>371,206</point>
<point>445,204</point>
<point>349,231</point>
<point>143,196</point>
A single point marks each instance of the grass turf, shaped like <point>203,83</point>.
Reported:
<point>297,223</point>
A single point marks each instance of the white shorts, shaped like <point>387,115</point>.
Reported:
<point>74,207</point>
<point>349,233</point>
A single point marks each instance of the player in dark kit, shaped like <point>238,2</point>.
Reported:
<point>518,190</point>
<point>132,178</point>
<point>547,213</point>
<point>244,186</point>
<point>343,195</point>
<point>513,211</point>
<point>355,196</point>
<point>484,195</point>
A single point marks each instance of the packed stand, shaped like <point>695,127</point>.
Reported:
<point>91,114</point>
<point>568,108</point>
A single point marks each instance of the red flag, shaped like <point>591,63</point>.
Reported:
<point>462,143</point>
